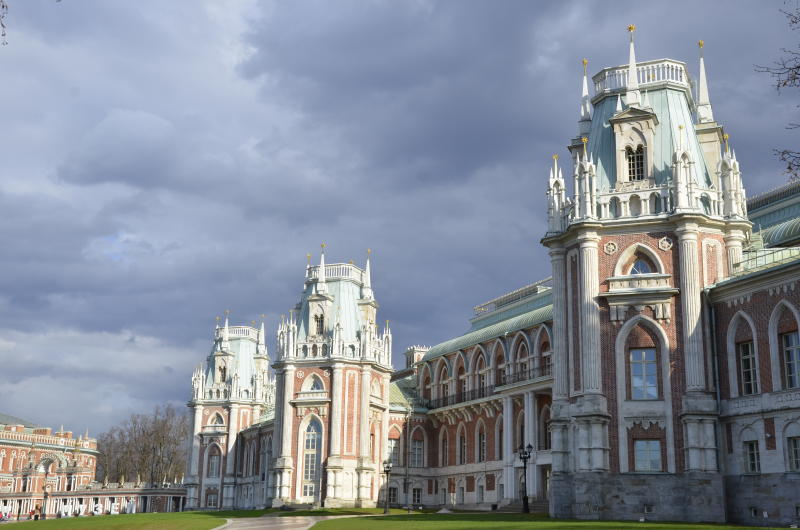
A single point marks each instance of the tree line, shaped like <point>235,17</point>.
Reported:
<point>151,447</point>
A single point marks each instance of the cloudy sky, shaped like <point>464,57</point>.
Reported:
<point>163,161</point>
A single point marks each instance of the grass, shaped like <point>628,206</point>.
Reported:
<point>339,511</point>
<point>147,521</point>
<point>502,521</point>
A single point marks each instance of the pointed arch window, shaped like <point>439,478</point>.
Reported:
<point>213,462</point>
<point>316,384</point>
<point>311,455</point>
<point>635,159</point>
<point>319,325</point>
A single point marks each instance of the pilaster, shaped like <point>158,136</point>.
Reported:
<point>590,314</point>
<point>691,305</point>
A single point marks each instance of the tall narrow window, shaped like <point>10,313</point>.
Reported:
<point>499,443</point>
<point>213,462</point>
<point>394,451</point>
<point>791,359</point>
<point>319,322</point>
<point>635,162</point>
<point>747,368</point>
<point>443,454</point>
<point>416,495</point>
<point>647,455</point>
<point>311,455</point>
<point>752,458</point>
<point>392,495</point>
<point>643,374</point>
<point>462,449</point>
<point>481,446</point>
<point>793,445</point>
<point>417,453</point>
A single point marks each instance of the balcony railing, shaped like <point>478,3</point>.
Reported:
<point>461,397</point>
<point>545,370</point>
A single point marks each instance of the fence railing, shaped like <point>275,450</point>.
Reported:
<point>761,259</point>
<point>461,397</point>
<point>544,370</point>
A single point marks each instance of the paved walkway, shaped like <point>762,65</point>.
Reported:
<point>282,523</point>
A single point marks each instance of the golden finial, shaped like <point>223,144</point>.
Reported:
<point>323,245</point>
<point>217,317</point>
<point>369,251</point>
<point>631,28</point>
<point>585,62</point>
<point>227,312</point>
<point>700,43</point>
<point>350,262</point>
<point>725,137</point>
<point>680,127</point>
<point>308,257</point>
<point>584,140</point>
<point>555,156</point>
<point>253,323</point>
<point>263,316</point>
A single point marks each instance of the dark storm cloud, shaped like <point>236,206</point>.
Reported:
<point>165,161</point>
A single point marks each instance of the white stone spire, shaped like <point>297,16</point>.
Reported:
<point>321,287</point>
<point>618,109</point>
<point>226,345</point>
<point>366,289</point>
<point>556,198</point>
<point>704,113</point>
<point>632,97</point>
<point>585,123</point>
<point>261,348</point>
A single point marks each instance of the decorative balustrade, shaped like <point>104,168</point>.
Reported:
<point>461,397</point>
<point>312,395</point>
<point>647,73</point>
<point>245,332</point>
<point>639,281</point>
<point>763,259</point>
<point>338,271</point>
<point>536,372</point>
<point>513,296</point>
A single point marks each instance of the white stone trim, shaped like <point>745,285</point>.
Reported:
<point>733,361</point>
<point>775,352</point>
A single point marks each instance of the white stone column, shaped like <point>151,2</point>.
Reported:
<point>733,246</point>
<point>509,482</point>
<point>589,314</point>
<point>560,377</point>
<point>365,460</point>
<point>196,428</point>
<point>233,431</point>
<point>336,409</point>
<point>690,306</point>
<point>285,461</point>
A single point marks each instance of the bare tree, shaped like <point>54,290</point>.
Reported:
<point>151,447</point>
<point>785,73</point>
<point>3,13</point>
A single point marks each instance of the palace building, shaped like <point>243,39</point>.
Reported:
<point>656,374</point>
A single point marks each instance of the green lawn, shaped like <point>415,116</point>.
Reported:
<point>146,521</point>
<point>500,521</point>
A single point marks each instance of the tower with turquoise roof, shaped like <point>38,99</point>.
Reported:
<point>657,213</point>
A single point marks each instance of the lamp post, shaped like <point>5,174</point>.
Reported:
<point>387,468</point>
<point>524,455</point>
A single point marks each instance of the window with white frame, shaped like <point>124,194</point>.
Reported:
<point>417,453</point>
<point>312,448</point>
<point>635,159</point>
<point>392,495</point>
<point>211,500</point>
<point>747,368</point>
<point>752,458</point>
<point>213,462</point>
<point>791,359</point>
<point>481,446</point>
<point>416,496</point>
<point>394,451</point>
<point>647,455</point>
<point>793,446</point>
<point>644,372</point>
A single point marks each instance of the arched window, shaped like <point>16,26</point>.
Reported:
<point>481,444</point>
<point>445,391</point>
<point>316,384</point>
<point>544,429</point>
<point>312,449</point>
<point>635,161</point>
<point>522,357</point>
<point>480,376</point>
<point>462,448</point>
<point>499,367</point>
<point>213,462</point>
<point>217,420</point>
<point>319,324</point>
<point>444,449</point>
<point>221,373</point>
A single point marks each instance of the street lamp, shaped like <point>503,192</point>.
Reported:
<point>524,454</point>
<point>387,468</point>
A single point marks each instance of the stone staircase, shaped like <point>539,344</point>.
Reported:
<point>535,505</point>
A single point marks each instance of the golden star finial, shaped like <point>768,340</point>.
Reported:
<point>725,137</point>
<point>227,312</point>
<point>631,28</point>
<point>585,62</point>
<point>308,257</point>
<point>323,245</point>
<point>263,316</point>
<point>350,262</point>
<point>369,251</point>
<point>555,156</point>
<point>217,317</point>
<point>680,127</point>
<point>700,43</point>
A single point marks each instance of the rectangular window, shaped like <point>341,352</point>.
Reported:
<point>752,458</point>
<point>462,450</point>
<point>416,496</point>
<point>747,368</point>
<point>794,453</point>
<point>310,467</point>
<point>394,451</point>
<point>647,455</point>
<point>211,500</point>
<point>480,493</point>
<point>392,495</point>
<point>308,490</point>
<point>462,385</point>
<point>791,359</point>
<point>481,447</point>
<point>643,374</point>
<point>417,453</point>
<point>213,466</point>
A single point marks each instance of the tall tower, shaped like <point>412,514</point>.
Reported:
<point>656,214</point>
<point>231,391</point>
<point>333,367</point>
